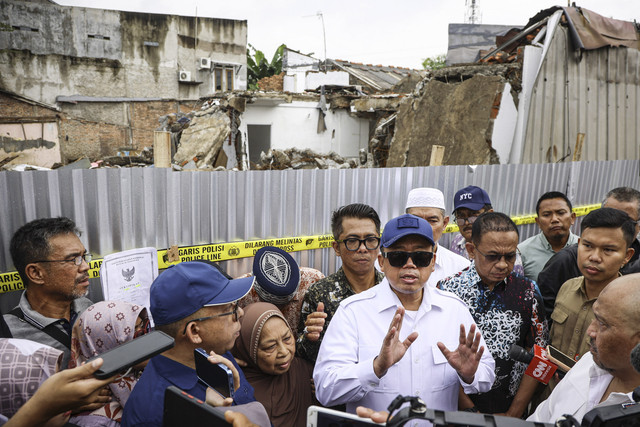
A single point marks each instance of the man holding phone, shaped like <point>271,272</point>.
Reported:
<point>194,303</point>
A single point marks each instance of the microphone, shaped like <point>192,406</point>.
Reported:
<point>540,368</point>
<point>635,358</point>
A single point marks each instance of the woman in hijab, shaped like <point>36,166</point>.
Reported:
<point>282,382</point>
<point>99,328</point>
<point>24,365</point>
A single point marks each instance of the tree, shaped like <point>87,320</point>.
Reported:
<point>434,62</point>
<point>258,67</point>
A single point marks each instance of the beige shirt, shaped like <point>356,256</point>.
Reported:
<point>572,315</point>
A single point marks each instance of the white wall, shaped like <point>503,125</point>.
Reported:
<point>294,125</point>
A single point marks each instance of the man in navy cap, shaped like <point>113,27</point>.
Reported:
<point>468,204</point>
<point>194,303</point>
<point>367,357</point>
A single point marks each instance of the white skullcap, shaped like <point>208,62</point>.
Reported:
<point>425,198</point>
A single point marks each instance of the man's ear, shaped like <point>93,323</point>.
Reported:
<point>193,333</point>
<point>538,222</point>
<point>573,218</point>
<point>336,247</point>
<point>445,221</point>
<point>471,250</point>
<point>381,261</point>
<point>630,253</point>
<point>35,273</point>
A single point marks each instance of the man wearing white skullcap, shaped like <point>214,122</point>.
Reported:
<point>428,203</point>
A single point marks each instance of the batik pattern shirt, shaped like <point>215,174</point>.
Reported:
<point>331,291</point>
<point>509,314</point>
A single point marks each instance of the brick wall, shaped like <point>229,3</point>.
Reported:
<point>15,108</point>
<point>95,138</point>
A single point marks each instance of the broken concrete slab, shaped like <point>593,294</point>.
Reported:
<point>456,116</point>
<point>204,137</point>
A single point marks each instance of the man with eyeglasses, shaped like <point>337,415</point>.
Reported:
<point>428,204</point>
<point>468,204</point>
<point>53,265</point>
<point>194,303</point>
<point>402,336</point>
<point>507,309</point>
<point>356,230</point>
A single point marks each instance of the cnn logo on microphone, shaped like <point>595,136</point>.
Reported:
<point>540,368</point>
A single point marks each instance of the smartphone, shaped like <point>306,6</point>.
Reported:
<point>119,359</point>
<point>181,409</point>
<point>215,375</point>
<point>324,417</point>
<point>562,360</point>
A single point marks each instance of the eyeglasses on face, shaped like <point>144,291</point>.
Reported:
<point>353,244</point>
<point>144,328</point>
<point>510,257</point>
<point>234,312</point>
<point>76,260</point>
<point>400,258</point>
<point>462,221</point>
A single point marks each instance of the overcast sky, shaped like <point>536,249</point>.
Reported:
<point>400,32</point>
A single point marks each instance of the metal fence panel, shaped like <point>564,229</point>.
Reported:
<point>121,209</point>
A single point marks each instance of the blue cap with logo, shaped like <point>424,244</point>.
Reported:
<point>277,275</point>
<point>405,225</point>
<point>471,197</point>
<point>183,289</point>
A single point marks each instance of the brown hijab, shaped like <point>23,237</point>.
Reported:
<point>286,397</point>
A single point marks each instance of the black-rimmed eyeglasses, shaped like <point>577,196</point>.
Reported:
<point>76,260</point>
<point>353,244</point>
<point>234,312</point>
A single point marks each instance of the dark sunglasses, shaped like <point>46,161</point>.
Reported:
<point>510,258</point>
<point>400,258</point>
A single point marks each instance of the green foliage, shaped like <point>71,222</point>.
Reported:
<point>434,63</point>
<point>5,27</point>
<point>259,67</point>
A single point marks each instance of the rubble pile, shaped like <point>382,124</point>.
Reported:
<point>202,141</point>
<point>294,158</point>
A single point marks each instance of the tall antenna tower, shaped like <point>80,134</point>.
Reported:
<point>472,14</point>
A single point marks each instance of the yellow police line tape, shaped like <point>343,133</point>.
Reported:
<point>227,251</point>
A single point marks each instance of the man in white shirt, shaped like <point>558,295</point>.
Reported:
<point>605,375</point>
<point>367,357</point>
<point>428,204</point>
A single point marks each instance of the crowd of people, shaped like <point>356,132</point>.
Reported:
<point>402,315</point>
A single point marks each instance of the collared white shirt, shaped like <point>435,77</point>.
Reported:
<point>447,264</point>
<point>344,368</point>
<point>579,392</point>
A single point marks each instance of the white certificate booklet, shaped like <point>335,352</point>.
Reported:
<point>127,276</point>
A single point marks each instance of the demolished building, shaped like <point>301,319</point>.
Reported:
<point>564,88</point>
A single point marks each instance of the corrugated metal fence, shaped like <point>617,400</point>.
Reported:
<point>595,92</point>
<point>120,209</point>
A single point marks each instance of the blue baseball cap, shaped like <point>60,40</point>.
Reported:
<point>405,225</point>
<point>277,275</point>
<point>183,289</point>
<point>471,197</point>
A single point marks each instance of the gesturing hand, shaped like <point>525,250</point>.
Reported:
<point>314,324</point>
<point>466,357</point>
<point>392,348</point>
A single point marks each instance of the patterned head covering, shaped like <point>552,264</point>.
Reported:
<point>24,365</point>
<point>99,328</point>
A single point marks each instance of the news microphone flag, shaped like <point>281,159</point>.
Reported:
<point>539,367</point>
